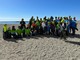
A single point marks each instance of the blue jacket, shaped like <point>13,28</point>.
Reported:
<point>73,24</point>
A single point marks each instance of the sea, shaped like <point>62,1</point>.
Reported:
<point>12,22</point>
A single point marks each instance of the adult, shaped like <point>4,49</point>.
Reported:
<point>75,21</point>
<point>31,21</point>
<point>22,23</point>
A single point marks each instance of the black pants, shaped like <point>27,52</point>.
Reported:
<point>9,35</point>
<point>19,36</point>
<point>57,32</point>
<point>37,29</point>
<point>73,31</point>
<point>41,30</point>
<point>52,30</point>
<point>24,33</point>
<point>67,33</point>
<point>45,30</point>
<point>6,35</point>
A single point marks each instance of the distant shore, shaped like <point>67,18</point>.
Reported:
<point>12,22</point>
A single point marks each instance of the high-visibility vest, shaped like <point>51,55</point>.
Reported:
<point>62,21</point>
<point>5,28</point>
<point>27,31</point>
<point>37,23</point>
<point>19,31</point>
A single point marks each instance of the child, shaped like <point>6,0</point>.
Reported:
<point>19,32</point>
<point>5,33</point>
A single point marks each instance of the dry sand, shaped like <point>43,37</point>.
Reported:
<point>40,48</point>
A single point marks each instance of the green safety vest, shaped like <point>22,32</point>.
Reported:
<point>19,31</point>
<point>62,21</point>
<point>13,31</point>
<point>57,27</point>
<point>5,28</point>
<point>37,23</point>
<point>27,31</point>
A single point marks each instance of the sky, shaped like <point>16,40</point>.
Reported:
<point>17,9</point>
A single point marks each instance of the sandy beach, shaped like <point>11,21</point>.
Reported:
<point>40,48</point>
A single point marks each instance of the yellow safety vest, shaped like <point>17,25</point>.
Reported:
<point>62,21</point>
<point>5,28</point>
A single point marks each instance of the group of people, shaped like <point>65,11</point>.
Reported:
<point>60,26</point>
<point>21,31</point>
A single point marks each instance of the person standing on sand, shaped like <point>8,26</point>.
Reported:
<point>43,26</point>
<point>33,28</point>
<point>22,23</point>
<point>74,19</point>
<point>51,18</point>
<point>31,21</point>
<point>52,27</point>
<point>73,26</point>
<point>37,25</point>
